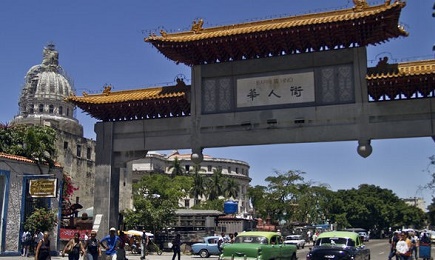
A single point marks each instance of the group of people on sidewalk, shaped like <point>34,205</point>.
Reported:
<point>405,245</point>
<point>92,248</point>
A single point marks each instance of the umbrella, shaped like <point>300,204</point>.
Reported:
<point>137,233</point>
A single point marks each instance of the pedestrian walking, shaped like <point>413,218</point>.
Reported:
<point>26,241</point>
<point>74,248</point>
<point>92,247</point>
<point>144,244</point>
<point>42,251</point>
<point>110,244</point>
<point>176,247</point>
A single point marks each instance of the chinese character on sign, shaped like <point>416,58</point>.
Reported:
<point>273,93</point>
<point>252,94</point>
<point>296,91</point>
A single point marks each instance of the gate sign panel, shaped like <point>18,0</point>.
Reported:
<point>276,90</point>
<point>43,188</point>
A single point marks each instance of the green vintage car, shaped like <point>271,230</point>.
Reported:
<point>258,245</point>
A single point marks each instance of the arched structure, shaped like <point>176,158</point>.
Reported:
<point>289,80</point>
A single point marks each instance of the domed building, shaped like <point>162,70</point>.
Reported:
<point>42,102</point>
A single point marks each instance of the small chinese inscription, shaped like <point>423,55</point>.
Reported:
<point>275,90</point>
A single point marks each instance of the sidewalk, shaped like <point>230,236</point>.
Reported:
<point>164,256</point>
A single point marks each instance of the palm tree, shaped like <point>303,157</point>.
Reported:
<point>177,168</point>
<point>215,185</point>
<point>231,188</point>
<point>198,189</point>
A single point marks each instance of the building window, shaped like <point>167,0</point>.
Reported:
<point>209,168</point>
<point>50,109</point>
<point>187,203</point>
<point>229,170</point>
<point>237,170</point>
<point>67,112</point>
<point>187,167</point>
<point>79,150</point>
<point>65,145</point>
<point>60,110</point>
<point>31,109</point>
<point>41,108</point>
<point>88,153</point>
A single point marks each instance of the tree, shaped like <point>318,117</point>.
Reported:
<point>155,199</point>
<point>215,185</point>
<point>37,143</point>
<point>231,189</point>
<point>41,219</point>
<point>176,168</point>
<point>198,189</point>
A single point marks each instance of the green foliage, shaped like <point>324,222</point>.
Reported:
<point>217,204</point>
<point>288,197</point>
<point>177,168</point>
<point>41,219</point>
<point>37,143</point>
<point>155,199</point>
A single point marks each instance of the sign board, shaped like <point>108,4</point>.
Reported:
<point>43,188</point>
<point>276,90</point>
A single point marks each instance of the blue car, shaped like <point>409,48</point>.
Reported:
<point>206,248</point>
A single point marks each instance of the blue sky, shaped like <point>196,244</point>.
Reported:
<point>101,42</point>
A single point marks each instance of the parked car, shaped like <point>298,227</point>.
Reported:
<point>296,240</point>
<point>339,245</point>
<point>258,245</point>
<point>206,248</point>
<point>365,237</point>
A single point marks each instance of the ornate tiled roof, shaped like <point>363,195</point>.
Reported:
<point>412,68</point>
<point>407,80</point>
<point>109,97</point>
<point>158,102</point>
<point>359,26</point>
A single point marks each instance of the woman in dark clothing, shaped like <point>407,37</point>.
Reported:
<point>176,244</point>
<point>74,248</point>
<point>92,247</point>
<point>43,248</point>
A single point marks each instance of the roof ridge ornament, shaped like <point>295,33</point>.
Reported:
<point>360,5</point>
<point>107,90</point>
<point>197,26</point>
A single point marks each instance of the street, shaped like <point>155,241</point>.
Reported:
<point>379,251</point>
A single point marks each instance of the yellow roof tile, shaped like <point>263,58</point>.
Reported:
<point>126,95</point>
<point>411,68</point>
<point>273,24</point>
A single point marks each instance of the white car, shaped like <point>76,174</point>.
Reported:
<point>365,237</point>
<point>296,240</point>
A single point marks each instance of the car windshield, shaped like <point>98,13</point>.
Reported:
<point>251,239</point>
<point>335,241</point>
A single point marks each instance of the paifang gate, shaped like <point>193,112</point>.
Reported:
<point>290,80</point>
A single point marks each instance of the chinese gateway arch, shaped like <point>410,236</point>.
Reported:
<point>289,80</point>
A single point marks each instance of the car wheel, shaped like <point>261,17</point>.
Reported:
<point>293,257</point>
<point>204,253</point>
<point>303,246</point>
<point>297,246</point>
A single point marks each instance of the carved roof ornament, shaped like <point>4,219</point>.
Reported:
<point>197,26</point>
<point>163,33</point>
<point>360,5</point>
<point>107,90</point>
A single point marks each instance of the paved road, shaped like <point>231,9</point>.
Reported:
<point>379,251</point>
